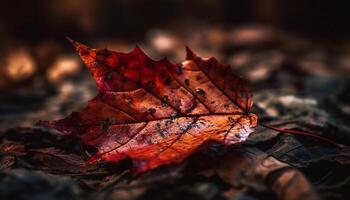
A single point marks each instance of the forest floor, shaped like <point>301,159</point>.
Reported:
<point>297,84</point>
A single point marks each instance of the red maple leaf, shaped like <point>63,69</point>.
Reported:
<point>157,112</point>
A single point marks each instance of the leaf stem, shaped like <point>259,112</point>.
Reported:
<point>313,135</point>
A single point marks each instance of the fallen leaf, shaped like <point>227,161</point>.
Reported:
<point>157,112</point>
<point>252,168</point>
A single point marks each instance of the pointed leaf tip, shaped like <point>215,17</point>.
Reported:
<point>78,46</point>
<point>138,49</point>
<point>69,39</point>
<point>73,42</point>
<point>43,123</point>
<point>189,54</point>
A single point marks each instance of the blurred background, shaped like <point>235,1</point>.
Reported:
<point>280,47</point>
<point>294,55</point>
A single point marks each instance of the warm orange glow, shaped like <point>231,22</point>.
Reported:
<point>20,65</point>
<point>156,112</point>
<point>62,67</point>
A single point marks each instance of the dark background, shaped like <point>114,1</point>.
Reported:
<point>295,55</point>
<point>33,21</point>
<point>260,39</point>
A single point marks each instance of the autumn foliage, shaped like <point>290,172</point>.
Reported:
<point>157,112</point>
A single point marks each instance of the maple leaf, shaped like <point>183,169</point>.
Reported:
<point>157,112</point>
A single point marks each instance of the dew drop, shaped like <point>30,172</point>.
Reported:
<point>165,100</point>
<point>95,64</point>
<point>163,133</point>
<point>151,110</point>
<point>168,121</point>
<point>167,80</point>
<point>174,115</point>
<point>129,101</point>
<point>109,76</point>
<point>226,105</point>
<point>179,69</point>
<point>200,91</point>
